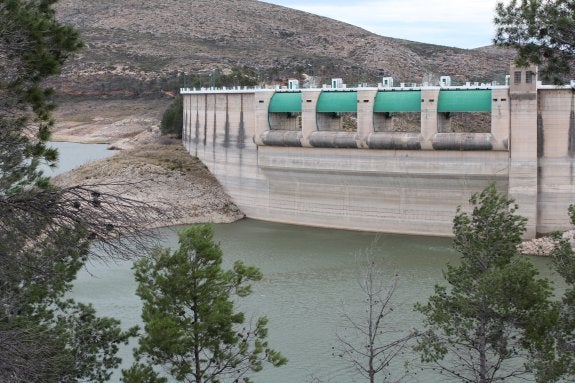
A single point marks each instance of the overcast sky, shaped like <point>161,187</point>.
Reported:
<point>456,23</point>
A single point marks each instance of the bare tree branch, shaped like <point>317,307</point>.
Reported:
<point>364,341</point>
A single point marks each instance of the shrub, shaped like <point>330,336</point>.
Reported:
<point>172,119</point>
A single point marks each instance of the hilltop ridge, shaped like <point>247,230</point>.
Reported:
<point>134,39</point>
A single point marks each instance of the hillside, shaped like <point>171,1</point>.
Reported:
<point>138,43</point>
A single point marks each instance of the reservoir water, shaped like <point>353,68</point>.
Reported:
<point>72,155</point>
<point>310,279</point>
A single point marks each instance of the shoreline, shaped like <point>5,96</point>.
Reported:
<point>159,174</point>
<point>154,169</point>
<point>542,247</point>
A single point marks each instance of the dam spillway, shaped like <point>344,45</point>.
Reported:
<point>388,159</point>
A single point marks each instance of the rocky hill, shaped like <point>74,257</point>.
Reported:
<point>138,43</point>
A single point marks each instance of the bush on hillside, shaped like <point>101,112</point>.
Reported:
<point>172,119</point>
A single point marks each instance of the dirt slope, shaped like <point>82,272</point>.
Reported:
<point>137,39</point>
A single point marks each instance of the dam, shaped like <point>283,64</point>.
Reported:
<point>388,159</point>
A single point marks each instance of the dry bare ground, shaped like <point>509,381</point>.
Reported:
<point>151,169</point>
<point>124,123</point>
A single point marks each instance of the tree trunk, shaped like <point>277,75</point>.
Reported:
<point>197,366</point>
<point>371,330</point>
<point>371,371</point>
<point>482,348</point>
<point>198,372</point>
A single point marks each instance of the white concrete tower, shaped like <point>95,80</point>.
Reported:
<point>523,180</point>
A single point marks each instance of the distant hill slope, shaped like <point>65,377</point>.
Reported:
<point>145,39</point>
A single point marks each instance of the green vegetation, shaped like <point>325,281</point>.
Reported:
<point>559,361</point>
<point>45,232</point>
<point>173,118</point>
<point>497,311</point>
<point>33,47</point>
<point>45,336</point>
<point>191,327</point>
<point>542,32</point>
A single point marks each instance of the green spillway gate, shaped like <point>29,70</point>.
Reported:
<point>285,103</point>
<point>337,102</point>
<point>397,101</point>
<point>474,100</point>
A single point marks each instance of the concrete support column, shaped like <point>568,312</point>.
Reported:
<point>365,102</point>
<point>193,119</point>
<point>523,180</point>
<point>500,119</point>
<point>429,101</point>
<point>186,125</point>
<point>308,114</point>
<point>261,105</point>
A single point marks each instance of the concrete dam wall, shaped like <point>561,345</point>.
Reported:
<point>388,160</point>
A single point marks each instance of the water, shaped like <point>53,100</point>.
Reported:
<point>310,279</point>
<point>72,155</point>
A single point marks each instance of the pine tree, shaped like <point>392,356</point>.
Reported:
<point>191,326</point>
<point>496,310</point>
<point>33,47</point>
<point>542,32</point>
<point>46,233</point>
<point>46,336</point>
<point>559,362</point>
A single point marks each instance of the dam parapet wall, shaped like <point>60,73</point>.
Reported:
<point>396,160</point>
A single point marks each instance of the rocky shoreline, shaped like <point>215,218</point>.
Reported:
<point>543,246</point>
<point>147,168</point>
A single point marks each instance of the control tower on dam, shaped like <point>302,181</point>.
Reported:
<point>388,159</point>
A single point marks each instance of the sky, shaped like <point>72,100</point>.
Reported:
<point>455,23</point>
